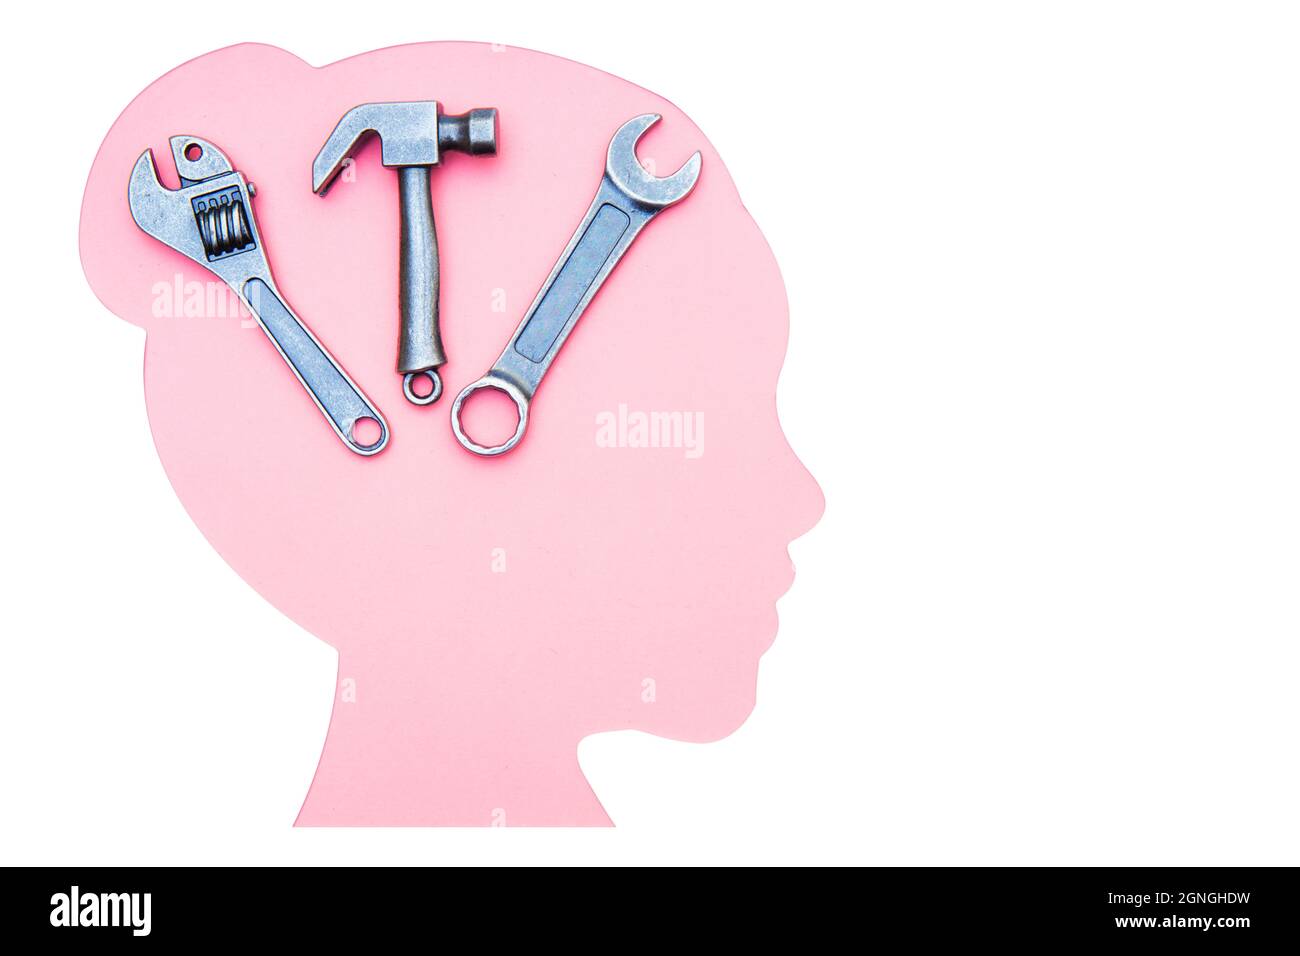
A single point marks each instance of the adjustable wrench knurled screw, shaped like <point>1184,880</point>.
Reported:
<point>414,136</point>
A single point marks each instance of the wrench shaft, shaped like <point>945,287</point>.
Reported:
<point>336,395</point>
<point>558,305</point>
<point>601,239</point>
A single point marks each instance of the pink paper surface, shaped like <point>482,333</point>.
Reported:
<point>488,614</point>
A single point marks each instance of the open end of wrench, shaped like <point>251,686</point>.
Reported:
<point>627,173</point>
<point>500,384</point>
<point>155,208</point>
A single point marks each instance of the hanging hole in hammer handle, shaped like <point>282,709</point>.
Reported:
<point>411,382</point>
<point>511,391</point>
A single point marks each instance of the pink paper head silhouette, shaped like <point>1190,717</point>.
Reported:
<point>618,570</point>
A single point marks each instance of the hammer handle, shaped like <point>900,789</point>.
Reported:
<point>419,344</point>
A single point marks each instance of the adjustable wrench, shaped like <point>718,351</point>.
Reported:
<point>627,199</point>
<point>210,220</point>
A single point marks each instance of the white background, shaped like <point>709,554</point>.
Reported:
<point>1042,266</point>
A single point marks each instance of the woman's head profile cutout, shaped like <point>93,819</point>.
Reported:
<point>618,570</point>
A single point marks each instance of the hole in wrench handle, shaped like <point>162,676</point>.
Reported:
<point>336,395</point>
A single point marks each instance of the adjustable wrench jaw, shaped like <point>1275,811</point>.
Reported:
<point>196,159</point>
<point>211,192</point>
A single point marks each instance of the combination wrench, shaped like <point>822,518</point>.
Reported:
<point>627,199</point>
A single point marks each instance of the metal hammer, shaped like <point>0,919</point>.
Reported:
<point>414,136</point>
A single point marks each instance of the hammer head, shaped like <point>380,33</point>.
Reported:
<point>412,134</point>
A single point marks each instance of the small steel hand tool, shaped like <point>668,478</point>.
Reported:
<point>628,198</point>
<point>414,137</point>
<point>210,220</point>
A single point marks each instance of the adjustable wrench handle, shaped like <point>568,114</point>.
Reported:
<point>419,345</point>
<point>340,400</point>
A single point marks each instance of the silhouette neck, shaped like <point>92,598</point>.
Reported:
<point>409,746</point>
